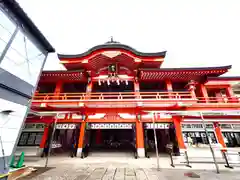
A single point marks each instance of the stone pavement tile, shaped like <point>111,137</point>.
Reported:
<point>109,174</point>
<point>140,174</point>
<point>66,174</point>
<point>151,174</point>
<point>119,175</point>
<point>129,172</point>
<point>84,173</point>
<point>97,174</point>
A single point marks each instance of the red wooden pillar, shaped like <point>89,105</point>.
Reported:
<point>44,139</point>
<point>230,94</point>
<point>140,138</point>
<point>229,91</point>
<point>219,134</point>
<point>58,89</point>
<point>89,87</point>
<point>89,90</point>
<point>139,125</point>
<point>204,93</point>
<point>136,88</point>
<point>137,92</point>
<point>178,129</point>
<point>169,87</point>
<point>81,138</point>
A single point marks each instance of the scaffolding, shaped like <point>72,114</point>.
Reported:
<point>192,113</point>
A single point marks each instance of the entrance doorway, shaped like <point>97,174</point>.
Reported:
<point>65,139</point>
<point>165,134</point>
<point>110,139</point>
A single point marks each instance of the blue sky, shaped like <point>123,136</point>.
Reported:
<point>194,32</point>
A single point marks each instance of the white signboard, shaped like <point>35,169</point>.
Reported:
<point>110,126</point>
<point>157,126</point>
<point>66,126</point>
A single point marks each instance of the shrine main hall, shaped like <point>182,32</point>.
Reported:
<point>109,96</point>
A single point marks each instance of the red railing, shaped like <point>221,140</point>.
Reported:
<point>131,96</point>
<point>218,100</point>
<point>113,96</point>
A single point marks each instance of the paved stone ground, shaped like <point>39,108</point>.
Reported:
<point>125,168</point>
<point>101,173</point>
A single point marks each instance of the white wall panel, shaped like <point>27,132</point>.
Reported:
<point>10,124</point>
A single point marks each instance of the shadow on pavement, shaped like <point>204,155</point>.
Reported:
<point>39,171</point>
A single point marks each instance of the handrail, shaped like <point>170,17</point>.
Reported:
<point>112,95</point>
<point>218,100</point>
<point>98,96</point>
<point>93,93</point>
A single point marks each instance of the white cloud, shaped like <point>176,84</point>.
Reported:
<point>195,33</point>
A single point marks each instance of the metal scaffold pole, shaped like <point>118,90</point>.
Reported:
<point>209,142</point>
<point>50,143</point>
<point>155,139</point>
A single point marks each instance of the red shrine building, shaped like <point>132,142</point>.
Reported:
<point>104,100</point>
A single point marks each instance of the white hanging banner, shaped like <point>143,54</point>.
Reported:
<point>110,126</point>
<point>157,126</point>
<point>66,126</point>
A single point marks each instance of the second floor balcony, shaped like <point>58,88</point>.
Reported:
<point>129,99</point>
